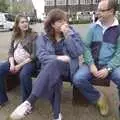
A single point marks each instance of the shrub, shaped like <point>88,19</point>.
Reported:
<point>79,22</point>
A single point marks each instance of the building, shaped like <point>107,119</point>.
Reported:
<point>72,6</point>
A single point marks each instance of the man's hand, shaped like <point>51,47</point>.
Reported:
<point>93,69</point>
<point>103,73</point>
<point>63,58</point>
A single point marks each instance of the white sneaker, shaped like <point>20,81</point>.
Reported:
<point>60,117</point>
<point>21,111</point>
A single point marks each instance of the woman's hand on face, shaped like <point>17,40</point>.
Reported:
<point>63,58</point>
<point>64,28</point>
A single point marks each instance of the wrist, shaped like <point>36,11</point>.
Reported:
<point>12,65</point>
<point>109,69</point>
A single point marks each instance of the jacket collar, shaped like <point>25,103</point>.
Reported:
<point>115,23</point>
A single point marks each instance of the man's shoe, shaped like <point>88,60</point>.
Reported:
<point>102,104</point>
<point>21,111</point>
<point>60,117</point>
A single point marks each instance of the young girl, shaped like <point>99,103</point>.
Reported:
<point>21,56</point>
<point>58,51</point>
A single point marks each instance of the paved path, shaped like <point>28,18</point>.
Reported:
<point>42,109</point>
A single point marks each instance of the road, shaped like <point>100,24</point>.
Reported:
<point>43,110</point>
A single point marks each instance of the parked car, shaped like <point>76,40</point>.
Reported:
<point>6,21</point>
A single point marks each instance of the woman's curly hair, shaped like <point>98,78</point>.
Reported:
<point>53,16</point>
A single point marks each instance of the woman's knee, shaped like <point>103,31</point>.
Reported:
<point>26,72</point>
<point>24,76</point>
<point>55,65</point>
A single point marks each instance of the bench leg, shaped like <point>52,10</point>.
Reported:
<point>78,98</point>
<point>11,81</point>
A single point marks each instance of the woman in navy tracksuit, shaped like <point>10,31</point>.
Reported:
<point>58,51</point>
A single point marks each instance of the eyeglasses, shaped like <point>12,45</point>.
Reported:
<point>103,10</point>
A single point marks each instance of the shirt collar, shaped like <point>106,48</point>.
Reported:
<point>115,23</point>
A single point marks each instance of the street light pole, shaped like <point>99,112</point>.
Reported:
<point>55,3</point>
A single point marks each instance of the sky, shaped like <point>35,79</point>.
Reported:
<point>39,6</point>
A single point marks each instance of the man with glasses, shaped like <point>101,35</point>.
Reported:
<point>102,55</point>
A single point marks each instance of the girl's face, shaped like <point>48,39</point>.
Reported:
<point>23,24</point>
<point>57,25</point>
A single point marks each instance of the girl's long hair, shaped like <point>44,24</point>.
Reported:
<point>17,33</point>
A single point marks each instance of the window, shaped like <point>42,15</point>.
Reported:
<point>96,1</point>
<point>60,2</point>
<point>49,2</point>
<point>73,2</point>
<point>82,2</point>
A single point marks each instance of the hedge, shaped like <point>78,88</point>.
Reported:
<point>79,22</point>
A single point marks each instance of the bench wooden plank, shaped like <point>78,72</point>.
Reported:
<point>11,81</point>
<point>78,98</point>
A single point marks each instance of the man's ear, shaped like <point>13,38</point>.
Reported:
<point>112,10</point>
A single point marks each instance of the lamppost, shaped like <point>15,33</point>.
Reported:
<point>55,3</point>
<point>67,8</point>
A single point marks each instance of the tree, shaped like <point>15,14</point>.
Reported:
<point>3,6</point>
<point>19,7</point>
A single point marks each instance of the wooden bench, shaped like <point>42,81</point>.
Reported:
<point>13,80</point>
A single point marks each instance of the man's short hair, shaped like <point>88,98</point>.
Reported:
<point>112,4</point>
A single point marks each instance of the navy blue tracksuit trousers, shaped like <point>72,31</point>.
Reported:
<point>49,83</point>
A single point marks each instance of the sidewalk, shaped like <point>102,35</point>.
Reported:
<point>42,109</point>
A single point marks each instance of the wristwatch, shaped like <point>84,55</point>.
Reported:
<point>109,69</point>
